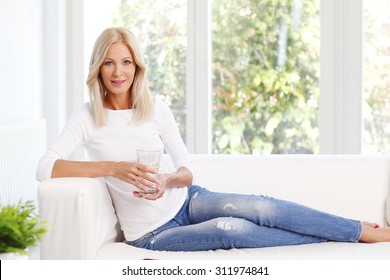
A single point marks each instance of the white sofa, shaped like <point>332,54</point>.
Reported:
<point>83,224</point>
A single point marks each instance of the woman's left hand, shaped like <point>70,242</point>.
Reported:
<point>160,189</point>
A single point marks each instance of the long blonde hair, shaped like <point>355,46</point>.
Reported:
<point>141,97</point>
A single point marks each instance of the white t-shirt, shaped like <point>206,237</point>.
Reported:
<point>118,140</point>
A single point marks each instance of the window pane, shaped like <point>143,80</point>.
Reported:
<point>376,137</point>
<point>265,65</point>
<point>161,28</point>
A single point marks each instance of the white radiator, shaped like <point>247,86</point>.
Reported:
<point>21,146</point>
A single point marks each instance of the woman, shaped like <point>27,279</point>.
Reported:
<point>123,116</point>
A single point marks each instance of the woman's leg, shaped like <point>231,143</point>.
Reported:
<point>273,213</point>
<point>211,221</point>
<point>222,233</point>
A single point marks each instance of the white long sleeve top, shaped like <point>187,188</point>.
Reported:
<point>118,140</point>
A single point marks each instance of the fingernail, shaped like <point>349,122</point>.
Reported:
<point>376,226</point>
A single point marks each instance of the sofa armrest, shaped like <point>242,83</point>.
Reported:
<point>80,217</point>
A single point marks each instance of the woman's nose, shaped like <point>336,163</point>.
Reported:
<point>117,71</point>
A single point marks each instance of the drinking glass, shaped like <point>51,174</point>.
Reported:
<point>152,158</point>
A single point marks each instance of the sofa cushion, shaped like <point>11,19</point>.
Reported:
<point>318,251</point>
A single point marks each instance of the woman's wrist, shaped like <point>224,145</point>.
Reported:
<point>166,179</point>
<point>111,167</point>
<point>181,178</point>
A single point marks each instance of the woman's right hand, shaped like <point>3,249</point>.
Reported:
<point>135,173</point>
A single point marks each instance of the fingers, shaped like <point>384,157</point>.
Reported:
<point>134,173</point>
<point>146,173</point>
<point>143,186</point>
<point>140,176</point>
<point>151,196</point>
<point>145,182</point>
<point>146,169</point>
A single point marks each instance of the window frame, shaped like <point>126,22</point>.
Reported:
<point>341,77</point>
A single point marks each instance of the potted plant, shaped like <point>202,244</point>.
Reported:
<point>20,228</point>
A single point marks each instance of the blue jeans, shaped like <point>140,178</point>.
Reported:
<point>209,221</point>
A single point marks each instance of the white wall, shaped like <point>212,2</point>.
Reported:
<point>20,60</point>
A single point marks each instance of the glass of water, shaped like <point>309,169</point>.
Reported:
<point>152,158</point>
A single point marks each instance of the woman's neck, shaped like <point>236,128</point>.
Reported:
<point>116,102</point>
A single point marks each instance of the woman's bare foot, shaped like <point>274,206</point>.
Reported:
<point>373,233</point>
<point>369,224</point>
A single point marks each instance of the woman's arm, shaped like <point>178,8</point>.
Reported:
<point>173,142</point>
<point>129,172</point>
<point>66,168</point>
<point>76,132</point>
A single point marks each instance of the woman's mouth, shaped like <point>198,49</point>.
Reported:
<point>118,82</point>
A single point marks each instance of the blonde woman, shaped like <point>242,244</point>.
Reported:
<point>122,116</point>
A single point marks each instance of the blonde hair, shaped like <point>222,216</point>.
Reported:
<point>141,97</point>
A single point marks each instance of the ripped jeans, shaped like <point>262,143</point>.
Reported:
<point>210,220</point>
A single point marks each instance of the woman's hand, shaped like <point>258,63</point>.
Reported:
<point>134,173</point>
<point>160,189</point>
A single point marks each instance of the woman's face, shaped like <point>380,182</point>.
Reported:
<point>118,69</point>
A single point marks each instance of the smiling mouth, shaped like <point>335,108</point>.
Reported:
<point>118,82</point>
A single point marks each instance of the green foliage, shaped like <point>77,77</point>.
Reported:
<point>19,227</point>
<point>265,76</point>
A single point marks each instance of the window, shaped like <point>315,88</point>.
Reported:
<point>265,63</point>
<point>245,76</point>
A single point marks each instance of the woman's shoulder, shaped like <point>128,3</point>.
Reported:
<point>84,111</point>
<point>161,106</point>
<point>83,115</point>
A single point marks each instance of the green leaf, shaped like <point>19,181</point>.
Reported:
<point>19,227</point>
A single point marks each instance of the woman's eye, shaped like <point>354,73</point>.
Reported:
<point>108,63</point>
<point>126,62</point>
